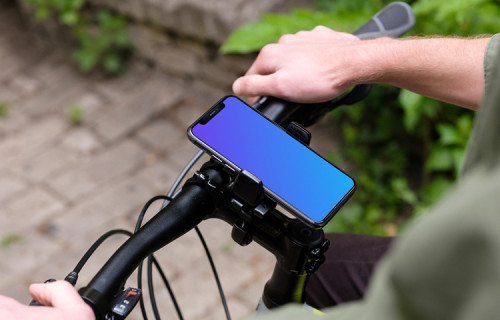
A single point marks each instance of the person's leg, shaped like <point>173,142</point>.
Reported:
<point>349,264</point>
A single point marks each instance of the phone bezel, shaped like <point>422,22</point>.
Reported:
<point>285,204</point>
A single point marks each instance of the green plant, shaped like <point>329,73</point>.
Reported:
<point>254,36</point>
<point>404,150</point>
<point>75,114</point>
<point>4,110</point>
<point>101,36</point>
<point>9,239</point>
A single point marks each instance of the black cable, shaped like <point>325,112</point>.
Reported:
<point>139,286</point>
<point>214,271</point>
<point>182,175</point>
<point>165,281</point>
<point>152,259</point>
<point>171,192</point>
<point>154,305</point>
<point>96,244</point>
<point>139,268</point>
<point>146,207</point>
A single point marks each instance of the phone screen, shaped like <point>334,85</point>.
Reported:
<point>292,174</point>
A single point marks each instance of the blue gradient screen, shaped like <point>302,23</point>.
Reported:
<point>286,167</point>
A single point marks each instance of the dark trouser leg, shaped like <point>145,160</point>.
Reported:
<point>346,272</point>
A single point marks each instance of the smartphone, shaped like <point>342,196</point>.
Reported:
<point>295,176</point>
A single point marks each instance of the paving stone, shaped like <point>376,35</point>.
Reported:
<point>147,104</point>
<point>9,186</point>
<point>15,121</point>
<point>183,154</point>
<point>120,89</point>
<point>112,163</point>
<point>45,164</point>
<point>30,142</point>
<point>159,175</point>
<point>29,209</point>
<point>32,250</point>
<point>161,135</point>
<point>81,141</point>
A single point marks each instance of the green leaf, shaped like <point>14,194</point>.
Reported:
<point>85,59</point>
<point>42,13</point>
<point>400,187</point>
<point>458,155</point>
<point>410,102</point>
<point>435,190</point>
<point>464,124</point>
<point>122,39</point>
<point>440,159</point>
<point>69,18</point>
<point>75,114</point>
<point>4,110</point>
<point>76,5</point>
<point>250,38</point>
<point>112,63</point>
<point>10,239</point>
<point>448,135</point>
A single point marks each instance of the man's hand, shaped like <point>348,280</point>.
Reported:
<point>318,65</point>
<point>310,66</point>
<point>61,301</point>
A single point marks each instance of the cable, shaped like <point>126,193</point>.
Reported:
<point>165,281</point>
<point>152,260</point>
<point>96,244</point>
<point>154,305</point>
<point>182,175</point>
<point>176,184</point>
<point>214,271</point>
<point>139,269</point>
<point>146,207</point>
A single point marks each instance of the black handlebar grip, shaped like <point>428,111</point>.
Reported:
<point>392,21</point>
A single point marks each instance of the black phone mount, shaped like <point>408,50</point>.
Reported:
<point>241,202</point>
<point>249,189</point>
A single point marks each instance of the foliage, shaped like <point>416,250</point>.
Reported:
<point>75,114</point>
<point>254,36</point>
<point>404,150</point>
<point>9,239</point>
<point>101,36</point>
<point>4,110</point>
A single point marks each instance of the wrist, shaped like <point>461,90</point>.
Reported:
<point>379,60</point>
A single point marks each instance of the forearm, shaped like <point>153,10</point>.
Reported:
<point>319,65</point>
<point>447,69</point>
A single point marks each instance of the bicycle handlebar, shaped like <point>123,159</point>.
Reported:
<point>203,196</point>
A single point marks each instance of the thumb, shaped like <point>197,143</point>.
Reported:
<point>256,85</point>
<point>59,294</point>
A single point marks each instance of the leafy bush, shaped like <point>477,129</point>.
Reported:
<point>404,150</point>
<point>101,36</point>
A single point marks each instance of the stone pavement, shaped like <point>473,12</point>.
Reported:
<point>63,185</point>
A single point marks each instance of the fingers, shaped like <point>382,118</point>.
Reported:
<point>55,294</point>
<point>254,85</point>
<point>61,295</point>
<point>318,34</point>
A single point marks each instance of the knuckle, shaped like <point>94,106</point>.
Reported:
<point>285,38</point>
<point>321,28</point>
<point>280,86</point>
<point>267,51</point>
